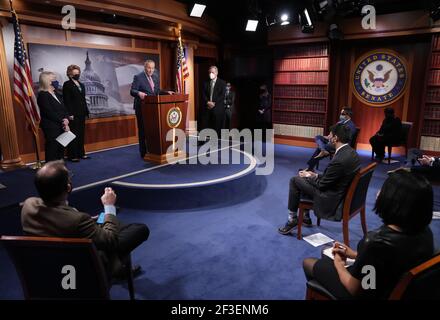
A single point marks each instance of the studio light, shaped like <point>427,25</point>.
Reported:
<point>306,22</point>
<point>306,13</point>
<point>197,10</point>
<point>252,25</point>
<point>285,19</point>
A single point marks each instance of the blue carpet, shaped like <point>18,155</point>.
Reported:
<point>226,251</point>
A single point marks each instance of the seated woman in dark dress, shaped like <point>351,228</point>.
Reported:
<point>405,240</point>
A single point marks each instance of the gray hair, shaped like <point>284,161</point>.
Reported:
<point>45,80</point>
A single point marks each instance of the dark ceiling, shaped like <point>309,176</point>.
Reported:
<point>232,15</point>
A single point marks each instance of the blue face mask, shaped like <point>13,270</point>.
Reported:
<point>342,118</point>
<point>55,84</point>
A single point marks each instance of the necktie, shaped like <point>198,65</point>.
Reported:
<point>150,80</point>
<point>211,92</point>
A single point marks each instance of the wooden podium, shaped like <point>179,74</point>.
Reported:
<point>161,114</point>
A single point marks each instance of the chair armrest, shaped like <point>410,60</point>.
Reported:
<point>316,286</point>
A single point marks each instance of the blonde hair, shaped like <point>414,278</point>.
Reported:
<point>45,80</point>
<point>71,68</point>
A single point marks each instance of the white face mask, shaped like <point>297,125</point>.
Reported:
<point>211,76</point>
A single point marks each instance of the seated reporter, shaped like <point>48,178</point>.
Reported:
<point>405,240</point>
<point>326,190</point>
<point>51,216</point>
<point>420,163</point>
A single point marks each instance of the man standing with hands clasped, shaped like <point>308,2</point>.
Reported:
<point>213,107</point>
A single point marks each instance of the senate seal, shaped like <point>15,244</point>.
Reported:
<point>174,117</point>
<point>380,78</point>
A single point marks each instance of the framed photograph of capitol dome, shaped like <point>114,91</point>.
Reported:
<point>106,74</point>
<point>380,77</point>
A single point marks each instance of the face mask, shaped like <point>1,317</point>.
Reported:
<point>262,91</point>
<point>342,117</point>
<point>211,76</point>
<point>55,84</point>
<point>228,88</point>
<point>76,77</point>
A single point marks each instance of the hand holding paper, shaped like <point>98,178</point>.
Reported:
<point>65,138</point>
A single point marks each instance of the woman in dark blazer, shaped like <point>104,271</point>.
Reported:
<point>54,115</point>
<point>404,241</point>
<point>74,96</point>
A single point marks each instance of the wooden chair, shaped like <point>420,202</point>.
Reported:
<point>421,282</point>
<point>39,262</point>
<point>353,203</point>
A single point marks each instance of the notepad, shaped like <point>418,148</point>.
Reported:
<point>317,239</point>
<point>65,138</point>
<point>328,252</point>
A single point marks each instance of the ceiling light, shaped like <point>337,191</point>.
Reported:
<point>197,10</point>
<point>252,25</point>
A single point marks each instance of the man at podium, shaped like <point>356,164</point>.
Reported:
<point>144,84</point>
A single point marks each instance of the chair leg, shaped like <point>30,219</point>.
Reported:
<point>300,221</point>
<point>364,221</point>
<point>309,294</point>
<point>318,222</point>
<point>345,232</point>
<point>389,154</point>
<point>129,270</point>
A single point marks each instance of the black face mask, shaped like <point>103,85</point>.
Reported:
<point>262,91</point>
<point>76,77</point>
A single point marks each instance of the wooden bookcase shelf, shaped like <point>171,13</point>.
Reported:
<point>301,85</point>
<point>431,119</point>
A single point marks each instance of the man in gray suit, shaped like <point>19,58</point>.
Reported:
<point>51,216</point>
<point>326,190</point>
<point>144,84</point>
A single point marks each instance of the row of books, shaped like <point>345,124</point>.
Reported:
<point>431,127</point>
<point>435,60</point>
<point>300,105</point>
<point>301,77</point>
<point>436,44</point>
<point>300,91</point>
<point>432,111</point>
<point>433,94</point>
<point>430,143</point>
<point>304,51</point>
<point>434,77</point>
<point>305,119</point>
<point>301,64</point>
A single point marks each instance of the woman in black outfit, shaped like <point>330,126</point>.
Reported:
<point>390,132</point>
<point>405,240</point>
<point>74,96</point>
<point>54,116</point>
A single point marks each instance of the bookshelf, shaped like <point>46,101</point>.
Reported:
<point>430,139</point>
<point>300,90</point>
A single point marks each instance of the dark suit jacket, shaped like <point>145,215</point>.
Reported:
<point>391,130</point>
<point>332,185</point>
<point>141,84</point>
<point>218,96</point>
<point>75,100</point>
<point>52,112</point>
<point>38,219</point>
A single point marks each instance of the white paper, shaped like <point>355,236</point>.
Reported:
<point>318,239</point>
<point>436,215</point>
<point>2,186</point>
<point>65,138</point>
<point>328,253</point>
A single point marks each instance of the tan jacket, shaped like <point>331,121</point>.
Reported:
<point>38,219</point>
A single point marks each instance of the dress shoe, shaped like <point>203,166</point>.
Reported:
<point>288,227</point>
<point>322,154</point>
<point>307,222</point>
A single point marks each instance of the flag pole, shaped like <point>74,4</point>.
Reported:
<point>38,163</point>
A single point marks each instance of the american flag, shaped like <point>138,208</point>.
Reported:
<point>182,69</point>
<point>23,86</point>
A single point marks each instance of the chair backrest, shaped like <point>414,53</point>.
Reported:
<point>57,268</point>
<point>357,192</point>
<point>406,128</point>
<point>354,138</point>
<point>420,283</point>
